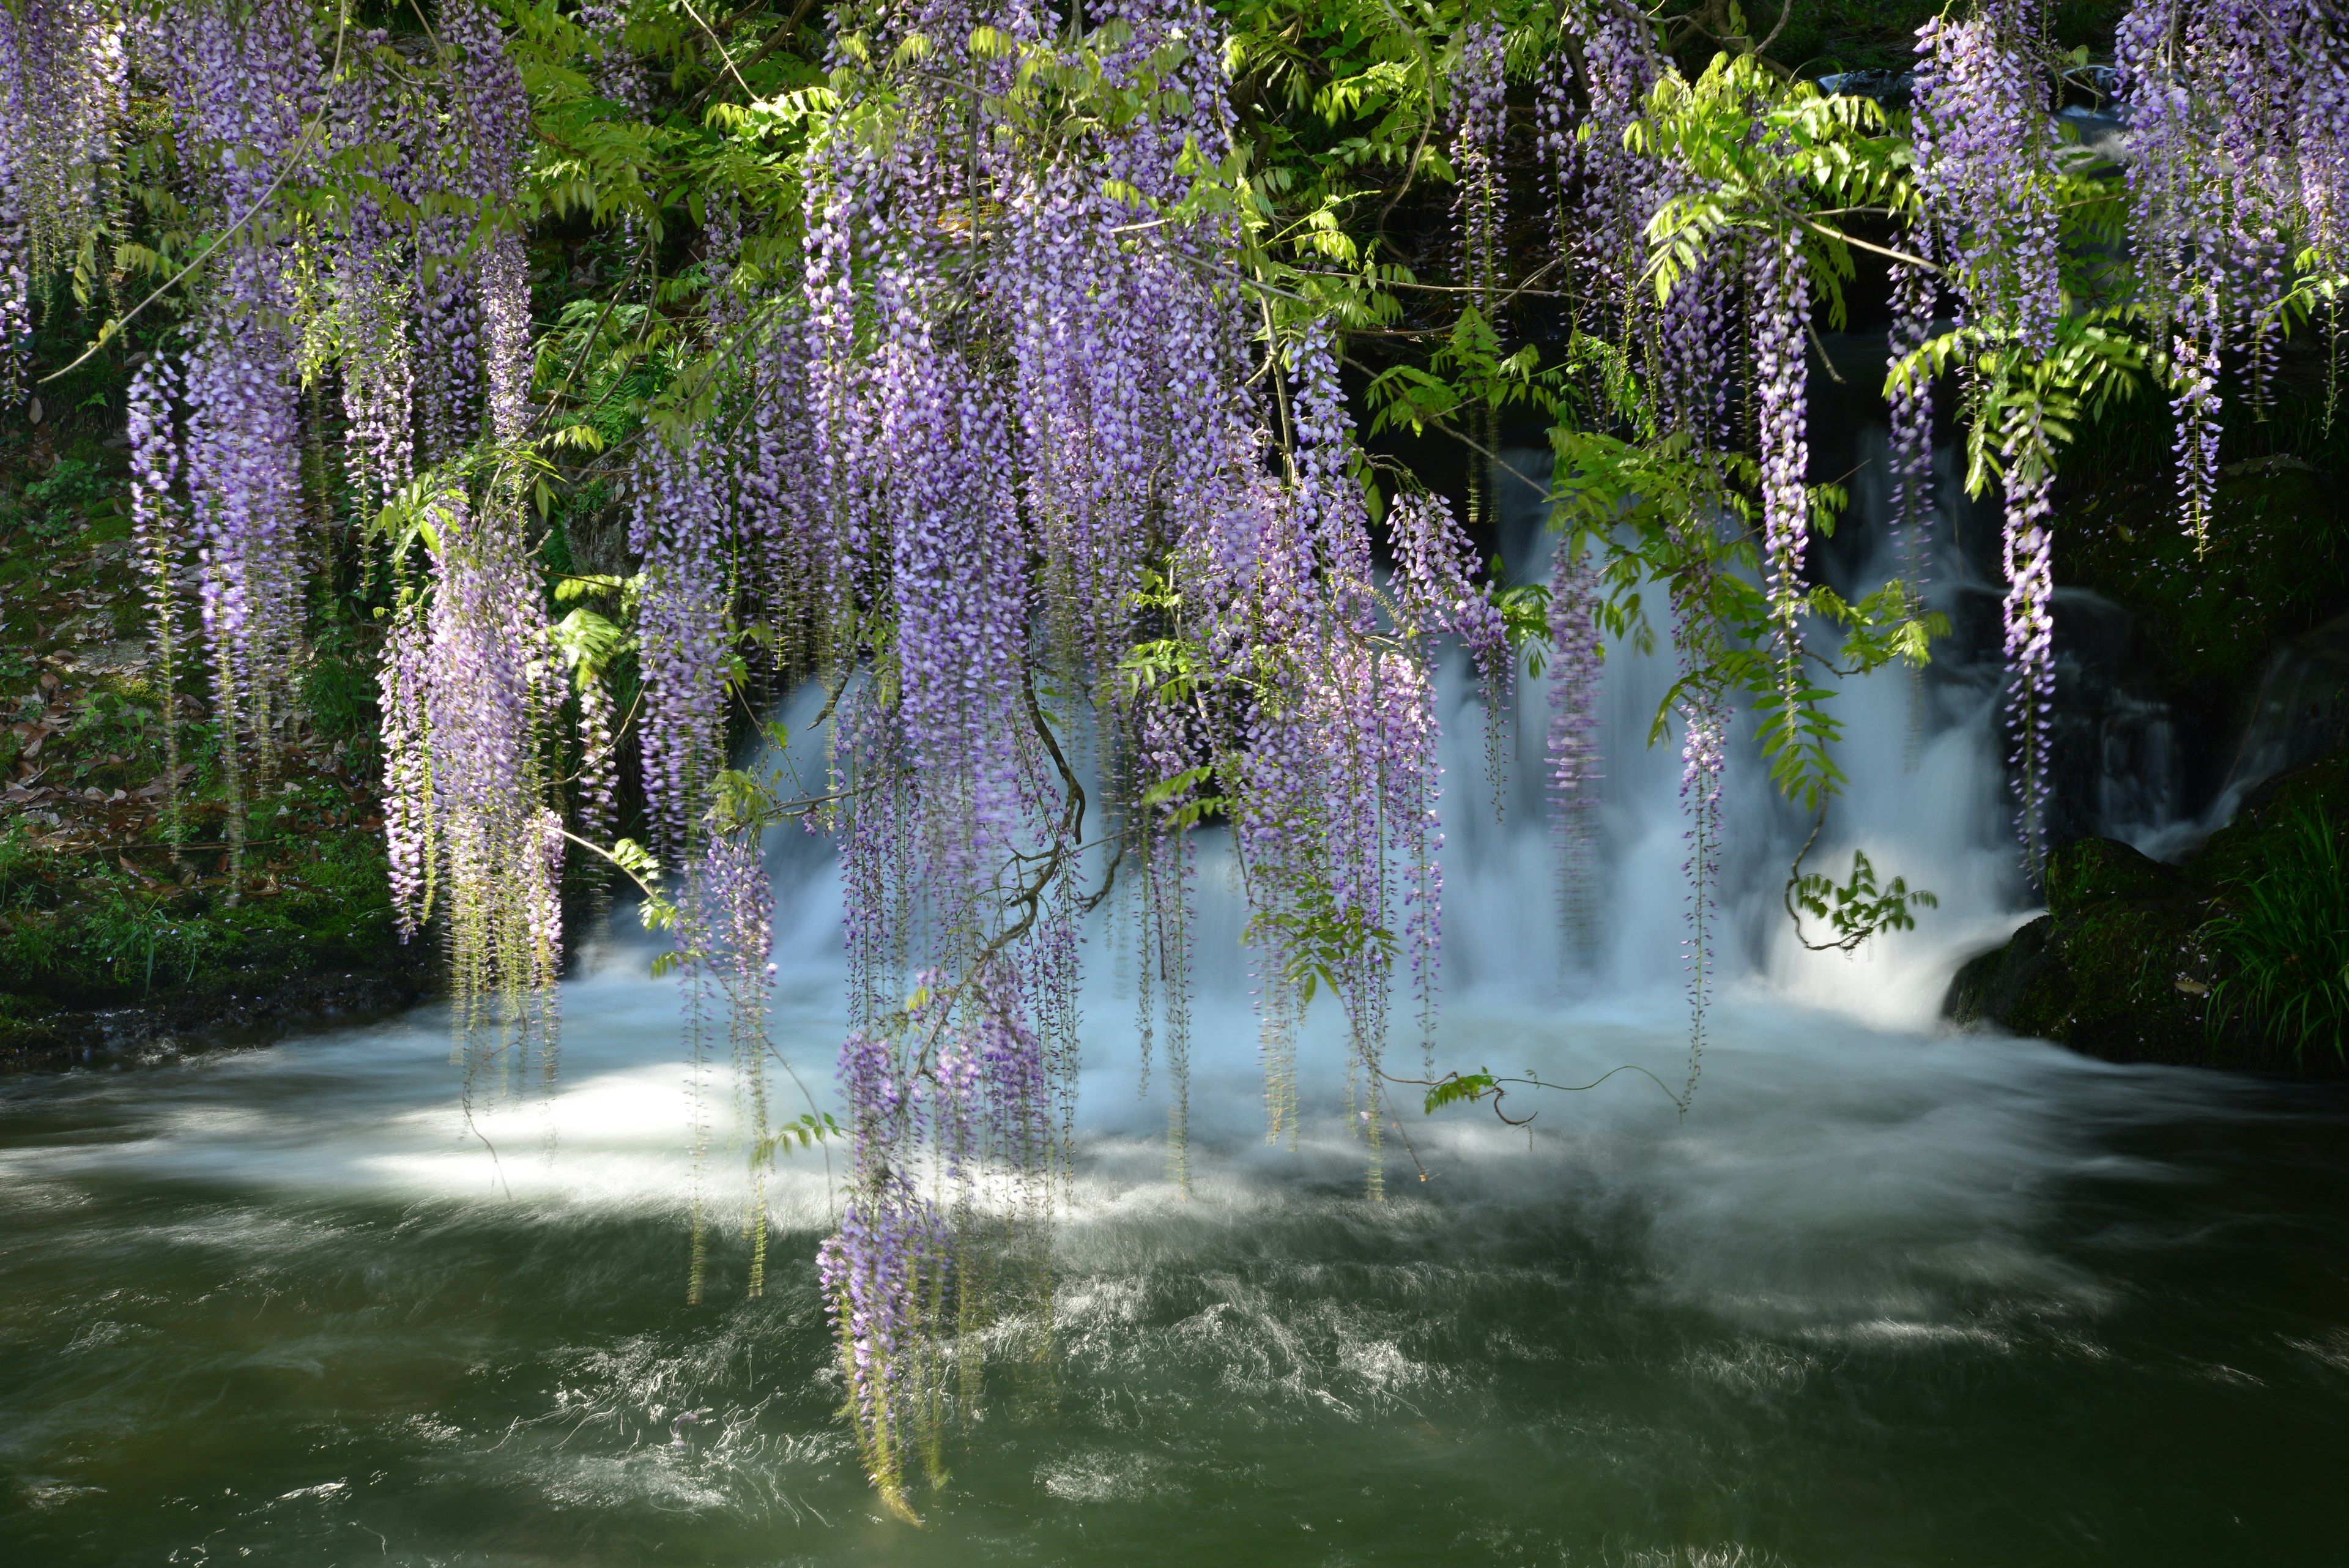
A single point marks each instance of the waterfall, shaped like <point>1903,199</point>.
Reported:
<point>1934,810</point>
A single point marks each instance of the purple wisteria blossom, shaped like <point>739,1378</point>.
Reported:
<point>1782,310</point>
<point>1572,754</point>
<point>2030,634</point>
<point>1983,136</point>
<point>991,423</point>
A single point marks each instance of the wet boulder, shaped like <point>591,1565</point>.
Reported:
<point>2113,969</point>
<point>2120,966</point>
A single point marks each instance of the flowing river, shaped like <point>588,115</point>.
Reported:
<point>1883,1296</point>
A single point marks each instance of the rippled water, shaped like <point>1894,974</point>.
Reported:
<point>1878,1299</point>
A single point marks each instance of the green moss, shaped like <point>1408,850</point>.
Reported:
<point>2276,562</point>
<point>2103,971</point>
<point>2262,831</point>
<point>2281,919</point>
<point>30,1040</point>
<point>2095,870</point>
<point>340,692</point>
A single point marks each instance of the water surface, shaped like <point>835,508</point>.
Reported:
<point>1878,1299</point>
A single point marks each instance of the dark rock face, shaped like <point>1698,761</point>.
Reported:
<point>2112,970</point>
<point>206,1018</point>
<point>2117,967</point>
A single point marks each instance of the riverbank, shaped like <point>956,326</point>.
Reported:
<point>148,897</point>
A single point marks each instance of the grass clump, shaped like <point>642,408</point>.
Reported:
<point>2283,941</point>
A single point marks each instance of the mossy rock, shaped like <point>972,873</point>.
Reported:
<point>2090,871</point>
<point>2123,980</point>
<point>2245,847</point>
<point>1997,985</point>
<point>26,1042</point>
<point>2117,967</point>
<point>106,944</point>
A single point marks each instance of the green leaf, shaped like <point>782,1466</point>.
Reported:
<point>1457,1088</point>
<point>1183,783</point>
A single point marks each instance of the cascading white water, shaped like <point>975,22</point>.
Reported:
<point>1942,823</point>
<point>1942,820</point>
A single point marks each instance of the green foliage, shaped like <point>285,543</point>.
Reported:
<point>636,860</point>
<point>1459,1088</point>
<point>1524,620</point>
<point>2277,560</point>
<point>1658,508</point>
<point>1772,157</point>
<point>2283,940</point>
<point>1483,1086</point>
<point>1856,910</point>
<point>2019,404</point>
<point>1320,944</point>
<point>60,501</point>
<point>339,691</point>
<point>1182,812</point>
<point>805,1131</point>
<point>102,934</point>
<point>590,642</point>
<point>1337,183</point>
<point>1468,370</point>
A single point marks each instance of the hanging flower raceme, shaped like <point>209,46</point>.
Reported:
<point>683,503</point>
<point>1436,591</point>
<point>1435,588</point>
<point>1479,125</point>
<point>1909,455</point>
<point>1984,137</point>
<point>1331,521</point>
<point>472,685</point>
<point>490,119</point>
<point>1572,754</point>
<point>726,933</point>
<point>2238,114</point>
<point>1040,475</point>
<point>1336,759</point>
<point>929,498</point>
<point>1782,310</point>
<point>792,578</point>
<point>241,86</point>
<point>16,142</point>
<point>380,124</point>
<point>1986,174</point>
<point>243,465</point>
<point>2028,556</point>
<point>1088,333</point>
<point>62,96</point>
<point>884,1272</point>
<point>161,541</point>
<point>989,426</point>
<point>1603,197</point>
<point>1704,758</point>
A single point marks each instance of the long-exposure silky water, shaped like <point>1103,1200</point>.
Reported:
<point>1880,1296</point>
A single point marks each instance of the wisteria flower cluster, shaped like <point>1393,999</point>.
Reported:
<point>1984,133</point>
<point>391,284</point>
<point>2239,131</point>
